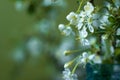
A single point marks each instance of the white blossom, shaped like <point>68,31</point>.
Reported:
<point>97,59</point>
<point>91,57</point>
<point>82,14</point>
<point>86,57</point>
<point>72,17</point>
<point>67,75</point>
<point>85,20</point>
<point>89,8</point>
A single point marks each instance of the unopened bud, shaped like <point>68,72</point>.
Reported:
<point>67,52</point>
<point>105,36</point>
<point>68,64</point>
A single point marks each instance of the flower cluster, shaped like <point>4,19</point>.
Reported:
<point>82,21</point>
<point>87,57</point>
<point>96,27</point>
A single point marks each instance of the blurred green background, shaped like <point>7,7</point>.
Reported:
<point>28,52</point>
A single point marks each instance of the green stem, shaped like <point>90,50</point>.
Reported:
<point>79,7</point>
<point>76,58</point>
<point>75,67</point>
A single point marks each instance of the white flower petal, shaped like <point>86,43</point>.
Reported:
<point>67,31</point>
<point>83,60</point>
<point>72,17</point>
<point>82,14</point>
<point>89,8</point>
<point>67,75</point>
<point>83,32</point>
<point>85,54</point>
<point>61,27</point>
<point>85,42</point>
<point>101,27</point>
<point>97,60</point>
<point>79,26</point>
<point>90,27</point>
<point>91,57</point>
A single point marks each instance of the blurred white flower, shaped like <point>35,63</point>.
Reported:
<point>19,5</point>
<point>96,16</point>
<point>112,49</point>
<point>47,2</point>
<point>86,57</point>
<point>85,54</point>
<point>108,5</point>
<point>65,45</point>
<point>19,55</point>
<point>91,57</point>
<point>118,31</point>
<point>117,3</point>
<point>85,42</point>
<point>96,23</point>
<point>104,21</point>
<point>117,43</point>
<point>34,46</point>
<point>92,40</point>
<point>61,27</point>
<point>67,75</point>
<point>97,59</point>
